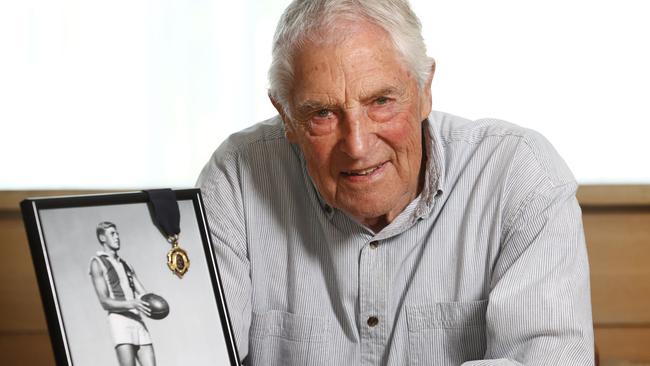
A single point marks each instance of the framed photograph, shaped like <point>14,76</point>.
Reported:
<point>109,295</point>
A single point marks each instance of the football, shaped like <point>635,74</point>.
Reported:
<point>159,307</point>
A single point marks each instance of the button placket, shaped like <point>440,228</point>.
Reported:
<point>372,293</point>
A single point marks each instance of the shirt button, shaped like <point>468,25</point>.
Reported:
<point>372,321</point>
<point>374,244</point>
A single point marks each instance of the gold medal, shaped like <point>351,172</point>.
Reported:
<point>177,259</point>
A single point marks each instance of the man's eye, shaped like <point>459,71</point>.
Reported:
<point>322,113</point>
<point>381,100</point>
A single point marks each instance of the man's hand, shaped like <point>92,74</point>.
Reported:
<point>141,306</point>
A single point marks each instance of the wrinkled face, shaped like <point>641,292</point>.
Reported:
<point>356,113</point>
<point>110,238</point>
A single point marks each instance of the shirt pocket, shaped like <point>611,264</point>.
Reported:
<point>446,333</point>
<point>281,338</point>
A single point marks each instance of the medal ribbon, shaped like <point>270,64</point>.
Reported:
<point>164,211</point>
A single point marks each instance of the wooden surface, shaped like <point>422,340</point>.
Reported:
<point>619,252</point>
<point>617,228</point>
<point>26,349</point>
<point>23,332</point>
<point>599,196</point>
<point>623,344</point>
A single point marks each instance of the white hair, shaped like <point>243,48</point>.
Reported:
<point>303,18</point>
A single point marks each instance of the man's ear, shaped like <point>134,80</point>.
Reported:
<point>102,238</point>
<point>426,92</point>
<point>288,127</point>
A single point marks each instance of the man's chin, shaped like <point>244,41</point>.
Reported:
<point>363,213</point>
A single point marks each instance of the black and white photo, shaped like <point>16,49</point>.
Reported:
<point>109,296</point>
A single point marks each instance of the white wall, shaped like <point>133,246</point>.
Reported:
<point>138,94</point>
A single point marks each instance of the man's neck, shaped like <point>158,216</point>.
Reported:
<point>111,253</point>
<point>376,224</point>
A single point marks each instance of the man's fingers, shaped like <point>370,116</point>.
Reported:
<point>144,307</point>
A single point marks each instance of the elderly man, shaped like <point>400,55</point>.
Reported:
<point>360,228</point>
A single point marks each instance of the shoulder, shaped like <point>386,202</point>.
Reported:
<point>250,160</point>
<point>266,133</point>
<point>250,168</point>
<point>257,143</point>
<point>453,128</point>
<point>522,149</point>
<point>98,257</point>
<point>96,264</point>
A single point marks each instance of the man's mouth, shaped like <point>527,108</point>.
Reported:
<point>362,172</point>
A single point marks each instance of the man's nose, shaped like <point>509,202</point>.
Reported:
<point>357,135</point>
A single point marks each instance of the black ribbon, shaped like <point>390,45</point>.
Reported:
<point>164,211</point>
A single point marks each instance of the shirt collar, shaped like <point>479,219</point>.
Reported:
<point>102,253</point>
<point>434,173</point>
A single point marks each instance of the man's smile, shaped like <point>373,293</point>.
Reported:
<point>363,172</point>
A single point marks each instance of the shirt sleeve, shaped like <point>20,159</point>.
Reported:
<point>220,188</point>
<point>539,308</point>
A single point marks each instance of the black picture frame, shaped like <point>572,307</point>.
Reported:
<point>57,230</point>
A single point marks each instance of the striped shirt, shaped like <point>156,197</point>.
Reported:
<point>116,278</point>
<point>487,266</point>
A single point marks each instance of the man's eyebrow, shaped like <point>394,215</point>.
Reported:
<point>387,91</point>
<point>311,105</point>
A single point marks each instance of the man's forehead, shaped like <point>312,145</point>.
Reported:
<point>342,38</point>
<point>359,68</point>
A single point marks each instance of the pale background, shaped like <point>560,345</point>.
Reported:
<point>182,338</point>
<point>153,87</point>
